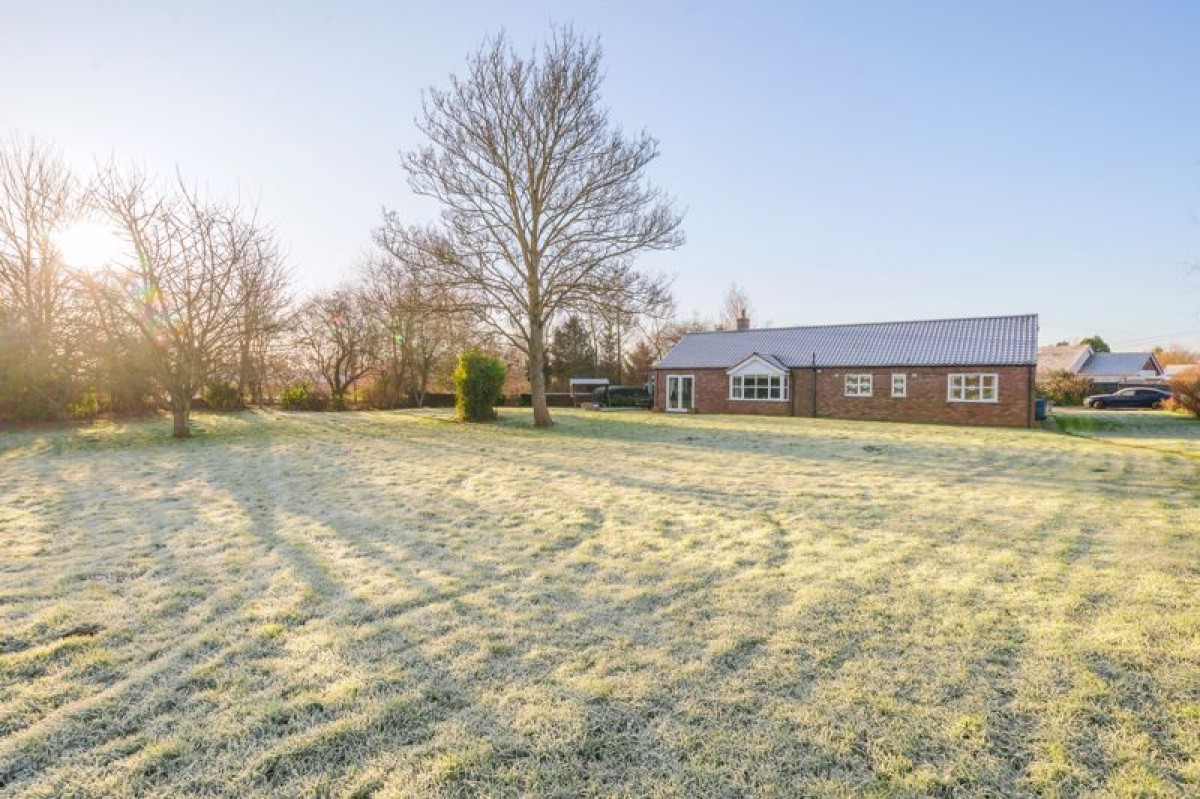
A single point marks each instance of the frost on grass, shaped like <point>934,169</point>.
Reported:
<point>1170,433</point>
<point>389,604</point>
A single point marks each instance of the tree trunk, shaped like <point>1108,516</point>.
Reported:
<point>620,355</point>
<point>181,410</point>
<point>423,384</point>
<point>243,370</point>
<point>537,376</point>
<point>260,369</point>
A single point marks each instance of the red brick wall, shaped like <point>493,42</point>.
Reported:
<point>712,394</point>
<point>926,400</point>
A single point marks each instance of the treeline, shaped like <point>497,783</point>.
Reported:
<point>202,308</point>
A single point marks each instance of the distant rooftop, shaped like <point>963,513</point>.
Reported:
<point>981,341</point>
<point>1119,363</point>
<point>1063,357</point>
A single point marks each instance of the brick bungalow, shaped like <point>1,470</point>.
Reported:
<point>954,371</point>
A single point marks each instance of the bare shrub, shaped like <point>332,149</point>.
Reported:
<point>1186,388</point>
<point>1064,388</point>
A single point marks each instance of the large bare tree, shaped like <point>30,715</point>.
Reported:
<point>544,199</point>
<point>186,291</point>
<point>38,199</point>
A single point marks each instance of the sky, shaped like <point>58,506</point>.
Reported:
<point>842,162</point>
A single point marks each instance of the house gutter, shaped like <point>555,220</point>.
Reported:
<point>1031,398</point>
<point>814,385</point>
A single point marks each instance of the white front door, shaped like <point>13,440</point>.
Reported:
<point>679,392</point>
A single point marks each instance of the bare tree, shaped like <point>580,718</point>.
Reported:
<point>1176,354</point>
<point>423,325</point>
<point>38,198</point>
<point>341,337</point>
<point>262,314</point>
<point>543,197</point>
<point>184,292</point>
<point>735,308</point>
<point>632,300</point>
<point>663,334</point>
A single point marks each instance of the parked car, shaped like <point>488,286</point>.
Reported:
<point>621,397</point>
<point>1129,398</point>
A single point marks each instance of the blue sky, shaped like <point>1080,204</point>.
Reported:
<point>841,161</point>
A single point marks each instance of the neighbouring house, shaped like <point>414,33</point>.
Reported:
<point>1108,371</point>
<point>1171,371</point>
<point>957,371</point>
<point>1062,358</point>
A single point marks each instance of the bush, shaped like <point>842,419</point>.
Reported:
<point>1186,388</point>
<point>338,403</point>
<point>222,396</point>
<point>295,396</point>
<point>302,397</point>
<point>478,386</point>
<point>86,407</point>
<point>1064,388</point>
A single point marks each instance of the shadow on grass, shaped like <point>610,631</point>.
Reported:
<point>833,683</point>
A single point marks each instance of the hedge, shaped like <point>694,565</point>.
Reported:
<point>478,386</point>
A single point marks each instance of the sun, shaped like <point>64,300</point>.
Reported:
<point>90,245</point>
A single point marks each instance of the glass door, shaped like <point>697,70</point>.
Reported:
<point>679,392</point>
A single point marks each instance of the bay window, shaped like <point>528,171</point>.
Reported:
<point>758,387</point>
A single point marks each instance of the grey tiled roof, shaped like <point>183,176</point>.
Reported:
<point>988,341</point>
<point>1117,363</point>
<point>1069,357</point>
<point>771,359</point>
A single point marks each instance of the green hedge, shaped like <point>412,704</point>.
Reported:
<point>222,396</point>
<point>302,397</point>
<point>478,386</point>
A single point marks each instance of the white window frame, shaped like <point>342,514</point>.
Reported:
<point>737,387</point>
<point>667,394</point>
<point>903,383</point>
<point>860,379</point>
<point>959,393</point>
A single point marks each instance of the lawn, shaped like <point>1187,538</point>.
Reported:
<point>392,604</point>
<point>1160,430</point>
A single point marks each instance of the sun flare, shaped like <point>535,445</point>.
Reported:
<point>90,245</point>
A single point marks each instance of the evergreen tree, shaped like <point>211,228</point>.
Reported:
<point>639,362</point>
<point>608,350</point>
<point>571,352</point>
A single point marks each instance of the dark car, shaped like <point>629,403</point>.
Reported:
<point>1129,398</point>
<point>621,397</point>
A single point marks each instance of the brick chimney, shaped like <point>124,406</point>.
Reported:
<point>743,322</point>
